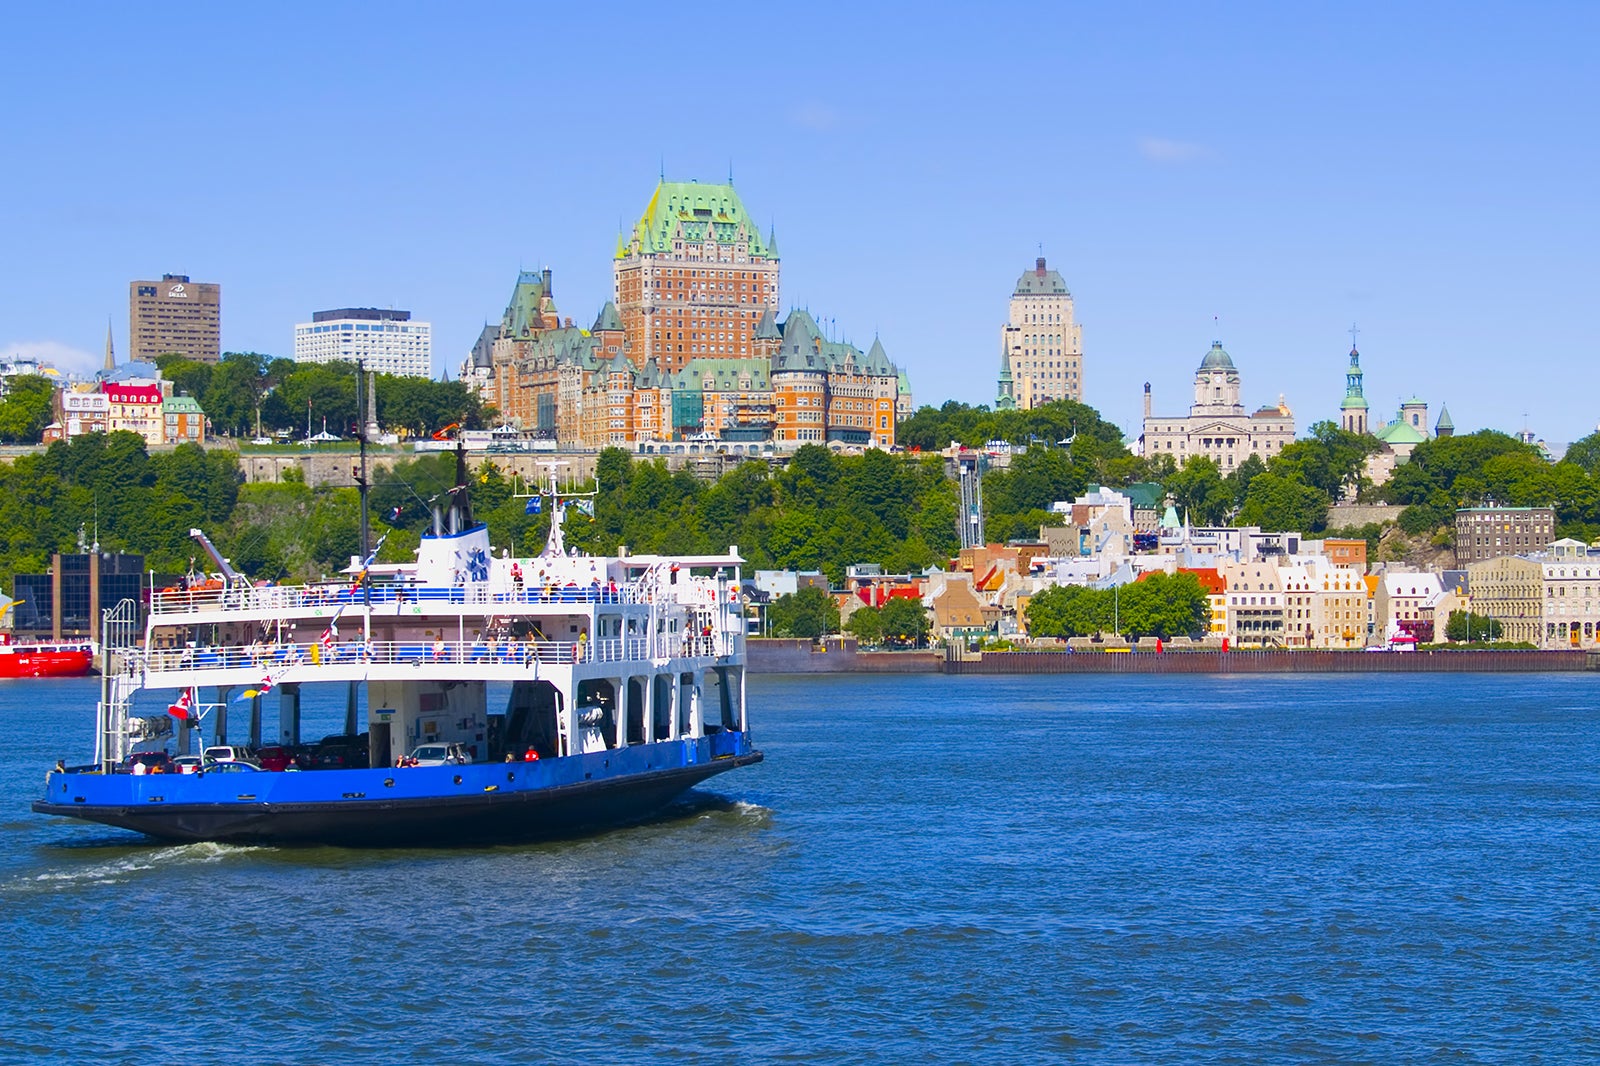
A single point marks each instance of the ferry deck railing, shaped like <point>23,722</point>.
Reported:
<point>295,597</point>
<point>275,659</point>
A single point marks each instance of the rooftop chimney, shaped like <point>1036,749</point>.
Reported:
<point>1038,266</point>
<point>547,291</point>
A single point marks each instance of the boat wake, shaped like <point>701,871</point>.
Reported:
<point>709,806</point>
<point>131,863</point>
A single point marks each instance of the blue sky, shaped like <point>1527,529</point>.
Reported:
<point>1263,175</point>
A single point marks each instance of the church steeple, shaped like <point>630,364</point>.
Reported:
<point>1006,400</point>
<point>1353,411</point>
<point>111,358</point>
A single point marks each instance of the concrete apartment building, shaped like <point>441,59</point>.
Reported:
<point>175,315</point>
<point>1490,532</point>
<point>383,341</point>
<point>1041,344</point>
<point>694,277</point>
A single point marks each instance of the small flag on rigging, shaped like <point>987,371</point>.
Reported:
<point>184,705</point>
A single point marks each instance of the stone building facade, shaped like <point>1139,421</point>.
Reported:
<point>1218,426</point>
<point>1490,532</point>
<point>1041,344</point>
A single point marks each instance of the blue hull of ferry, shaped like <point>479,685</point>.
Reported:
<point>417,806</point>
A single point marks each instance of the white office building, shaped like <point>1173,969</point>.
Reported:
<point>388,342</point>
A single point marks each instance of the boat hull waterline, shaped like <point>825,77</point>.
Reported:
<point>425,806</point>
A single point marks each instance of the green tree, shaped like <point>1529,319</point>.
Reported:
<point>1464,625</point>
<point>1330,459</point>
<point>809,613</point>
<point>1584,453</point>
<point>1246,472</point>
<point>867,625</point>
<point>904,622</point>
<point>1199,491</point>
<point>1276,502</point>
<point>27,408</point>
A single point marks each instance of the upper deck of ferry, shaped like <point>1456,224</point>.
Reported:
<point>310,598</point>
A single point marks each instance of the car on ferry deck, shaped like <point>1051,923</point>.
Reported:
<point>231,766</point>
<point>277,757</point>
<point>440,755</point>
<point>157,762</point>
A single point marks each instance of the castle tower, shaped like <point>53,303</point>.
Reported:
<point>1445,427</point>
<point>694,277</point>
<point>1353,412</point>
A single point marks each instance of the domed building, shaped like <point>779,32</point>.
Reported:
<point>1218,425</point>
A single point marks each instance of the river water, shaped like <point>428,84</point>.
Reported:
<point>1080,869</point>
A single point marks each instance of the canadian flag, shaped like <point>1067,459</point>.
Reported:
<point>181,709</point>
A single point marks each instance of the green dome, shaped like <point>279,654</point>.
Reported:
<point>1216,358</point>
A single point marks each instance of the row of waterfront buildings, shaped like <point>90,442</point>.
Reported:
<point>1264,589</point>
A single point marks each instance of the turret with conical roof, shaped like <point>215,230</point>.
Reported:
<point>608,321</point>
<point>1444,427</point>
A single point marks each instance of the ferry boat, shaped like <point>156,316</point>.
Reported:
<point>40,658</point>
<point>626,680</point>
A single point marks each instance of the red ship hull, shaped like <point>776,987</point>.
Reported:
<point>24,661</point>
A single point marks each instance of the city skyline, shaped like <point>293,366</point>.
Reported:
<point>1257,178</point>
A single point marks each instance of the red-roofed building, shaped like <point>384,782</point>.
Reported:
<point>136,408</point>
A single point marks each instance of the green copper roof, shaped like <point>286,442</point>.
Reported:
<point>526,300</point>
<point>1444,418</point>
<point>804,348</point>
<point>608,319</point>
<point>1145,494</point>
<point>726,375</point>
<point>693,213</point>
<point>1040,281</point>
<point>1005,399</point>
<point>1400,432</point>
<point>767,328</point>
<point>567,344</point>
<point>1353,398</point>
<point>1216,358</point>
<point>174,405</point>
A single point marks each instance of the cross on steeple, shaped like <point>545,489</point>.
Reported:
<point>1353,332</point>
